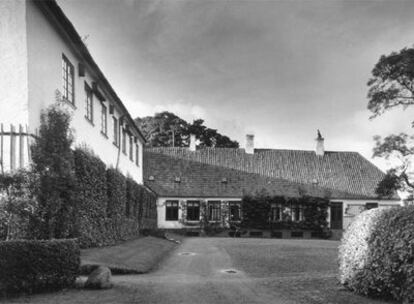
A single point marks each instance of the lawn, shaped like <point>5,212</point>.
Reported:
<point>136,256</point>
<point>302,271</point>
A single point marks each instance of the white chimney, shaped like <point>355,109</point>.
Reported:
<point>192,142</point>
<point>249,144</point>
<point>320,149</point>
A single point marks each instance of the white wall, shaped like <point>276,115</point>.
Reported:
<point>162,223</point>
<point>351,208</point>
<point>45,49</point>
<point>13,58</point>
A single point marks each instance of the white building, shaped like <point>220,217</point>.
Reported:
<point>183,178</point>
<point>43,59</point>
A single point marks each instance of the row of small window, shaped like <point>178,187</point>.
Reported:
<point>69,95</point>
<point>280,213</point>
<point>193,211</point>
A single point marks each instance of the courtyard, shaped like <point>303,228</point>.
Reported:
<point>227,270</point>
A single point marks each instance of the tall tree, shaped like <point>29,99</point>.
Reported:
<point>166,129</point>
<point>392,86</point>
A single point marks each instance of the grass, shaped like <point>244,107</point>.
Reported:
<point>302,271</point>
<point>135,256</point>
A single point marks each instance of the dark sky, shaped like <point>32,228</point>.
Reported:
<point>278,69</point>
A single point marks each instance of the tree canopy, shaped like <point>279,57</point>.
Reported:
<point>166,129</point>
<point>392,86</point>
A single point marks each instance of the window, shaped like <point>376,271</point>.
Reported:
<point>214,208</point>
<point>276,212</point>
<point>296,212</point>
<point>68,80</point>
<point>131,148</point>
<point>137,155</point>
<point>124,143</point>
<point>116,131</point>
<point>193,210</point>
<point>171,211</point>
<point>88,103</point>
<point>234,209</point>
<point>369,206</point>
<point>104,120</point>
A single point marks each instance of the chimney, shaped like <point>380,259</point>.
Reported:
<point>249,144</point>
<point>192,142</point>
<point>320,149</point>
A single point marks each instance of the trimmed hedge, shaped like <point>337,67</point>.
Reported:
<point>90,219</point>
<point>354,248</point>
<point>110,207</point>
<point>31,266</point>
<point>388,270</point>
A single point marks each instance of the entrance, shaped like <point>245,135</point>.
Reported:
<point>336,215</point>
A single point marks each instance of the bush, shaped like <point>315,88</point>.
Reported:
<point>91,202</point>
<point>31,266</point>
<point>353,251</point>
<point>388,269</point>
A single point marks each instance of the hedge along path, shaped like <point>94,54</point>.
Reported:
<point>109,207</point>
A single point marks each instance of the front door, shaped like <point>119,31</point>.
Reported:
<point>336,215</point>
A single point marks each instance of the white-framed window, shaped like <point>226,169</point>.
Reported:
<point>116,131</point>
<point>104,120</point>
<point>214,210</point>
<point>297,212</point>
<point>68,72</point>
<point>137,155</point>
<point>276,212</point>
<point>124,142</point>
<point>193,210</point>
<point>131,148</point>
<point>88,103</point>
<point>171,210</point>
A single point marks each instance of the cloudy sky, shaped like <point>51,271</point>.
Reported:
<point>278,69</point>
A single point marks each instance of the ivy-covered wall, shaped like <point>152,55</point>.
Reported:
<point>257,212</point>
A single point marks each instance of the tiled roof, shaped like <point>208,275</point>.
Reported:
<point>285,172</point>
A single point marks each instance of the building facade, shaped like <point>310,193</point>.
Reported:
<point>44,61</point>
<point>185,179</point>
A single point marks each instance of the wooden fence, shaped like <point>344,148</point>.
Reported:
<point>14,147</point>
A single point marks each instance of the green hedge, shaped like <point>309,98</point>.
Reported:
<point>31,266</point>
<point>388,269</point>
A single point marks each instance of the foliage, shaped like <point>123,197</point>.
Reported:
<point>388,269</point>
<point>256,210</point>
<point>160,129</point>
<point>16,204</point>
<point>31,266</point>
<point>89,222</point>
<point>353,251</point>
<point>391,86</point>
<point>53,163</point>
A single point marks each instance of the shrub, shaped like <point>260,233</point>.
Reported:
<point>353,251</point>
<point>91,202</point>
<point>388,270</point>
<point>31,266</point>
<point>53,162</point>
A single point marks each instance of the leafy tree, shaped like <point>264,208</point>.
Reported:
<point>162,128</point>
<point>392,86</point>
<point>53,162</point>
